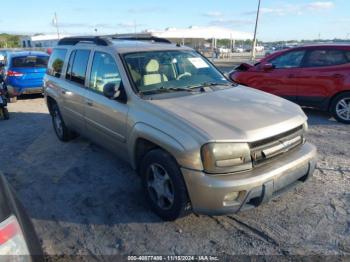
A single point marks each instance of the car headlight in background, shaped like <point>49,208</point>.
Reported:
<point>12,241</point>
<point>220,158</point>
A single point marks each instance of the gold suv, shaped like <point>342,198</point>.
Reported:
<point>199,142</point>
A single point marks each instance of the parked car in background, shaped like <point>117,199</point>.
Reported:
<point>23,73</point>
<point>312,76</point>
<point>198,142</point>
<point>238,50</point>
<point>17,234</point>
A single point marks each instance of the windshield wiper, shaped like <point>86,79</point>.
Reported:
<point>203,86</point>
<point>215,84</point>
<point>166,90</point>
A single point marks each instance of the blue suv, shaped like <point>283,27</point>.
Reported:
<point>24,72</point>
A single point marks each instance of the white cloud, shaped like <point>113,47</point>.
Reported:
<point>320,5</point>
<point>213,14</point>
<point>129,25</point>
<point>289,9</point>
<point>230,22</point>
<point>150,9</point>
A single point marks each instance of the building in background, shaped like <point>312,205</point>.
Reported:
<point>39,41</point>
<point>203,39</point>
<point>208,40</point>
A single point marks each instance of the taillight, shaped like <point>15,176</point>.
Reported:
<point>13,73</point>
<point>12,241</point>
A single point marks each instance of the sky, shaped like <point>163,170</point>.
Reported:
<point>280,20</point>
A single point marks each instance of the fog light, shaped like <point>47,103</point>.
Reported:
<point>231,196</point>
<point>234,198</point>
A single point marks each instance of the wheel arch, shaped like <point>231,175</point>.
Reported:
<point>50,102</point>
<point>331,101</point>
<point>144,138</point>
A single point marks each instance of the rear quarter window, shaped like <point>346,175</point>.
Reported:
<point>56,62</point>
<point>30,61</point>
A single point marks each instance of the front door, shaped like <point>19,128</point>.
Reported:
<point>282,80</point>
<point>105,118</point>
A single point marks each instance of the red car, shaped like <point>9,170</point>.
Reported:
<point>312,76</point>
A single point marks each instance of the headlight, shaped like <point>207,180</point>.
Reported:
<point>220,158</point>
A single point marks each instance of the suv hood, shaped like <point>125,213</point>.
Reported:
<point>234,114</point>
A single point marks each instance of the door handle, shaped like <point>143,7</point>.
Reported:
<point>66,92</point>
<point>89,102</point>
<point>291,76</point>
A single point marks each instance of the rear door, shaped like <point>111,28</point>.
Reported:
<point>105,118</point>
<point>73,90</point>
<point>28,71</point>
<point>324,73</point>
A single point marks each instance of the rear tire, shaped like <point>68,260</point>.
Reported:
<point>164,186</point>
<point>340,108</point>
<point>62,131</point>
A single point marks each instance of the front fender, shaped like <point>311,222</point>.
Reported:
<point>185,157</point>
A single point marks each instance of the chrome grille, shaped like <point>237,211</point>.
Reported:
<point>264,150</point>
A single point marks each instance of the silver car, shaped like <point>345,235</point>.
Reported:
<point>199,142</point>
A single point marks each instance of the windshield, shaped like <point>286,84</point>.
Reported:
<point>171,70</point>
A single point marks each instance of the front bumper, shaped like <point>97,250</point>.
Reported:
<point>210,194</point>
<point>16,91</point>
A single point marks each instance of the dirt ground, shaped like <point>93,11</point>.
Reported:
<point>83,200</point>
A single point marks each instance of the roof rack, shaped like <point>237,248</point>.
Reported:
<point>84,39</point>
<point>142,38</point>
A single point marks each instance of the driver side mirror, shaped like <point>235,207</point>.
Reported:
<point>114,91</point>
<point>268,67</point>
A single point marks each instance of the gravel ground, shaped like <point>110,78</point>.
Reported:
<point>83,200</point>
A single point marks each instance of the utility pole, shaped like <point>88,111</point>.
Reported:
<point>55,23</point>
<point>255,31</point>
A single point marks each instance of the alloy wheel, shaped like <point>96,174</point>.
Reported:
<point>343,109</point>
<point>58,123</point>
<point>160,186</point>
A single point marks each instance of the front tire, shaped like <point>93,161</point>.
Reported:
<point>62,131</point>
<point>163,185</point>
<point>340,108</point>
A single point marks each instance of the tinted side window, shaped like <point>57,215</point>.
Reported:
<point>104,70</point>
<point>318,58</point>
<point>56,62</point>
<point>70,64</point>
<point>289,60</point>
<point>77,70</point>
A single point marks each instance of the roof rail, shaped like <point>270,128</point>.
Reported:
<point>142,38</point>
<point>84,39</point>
